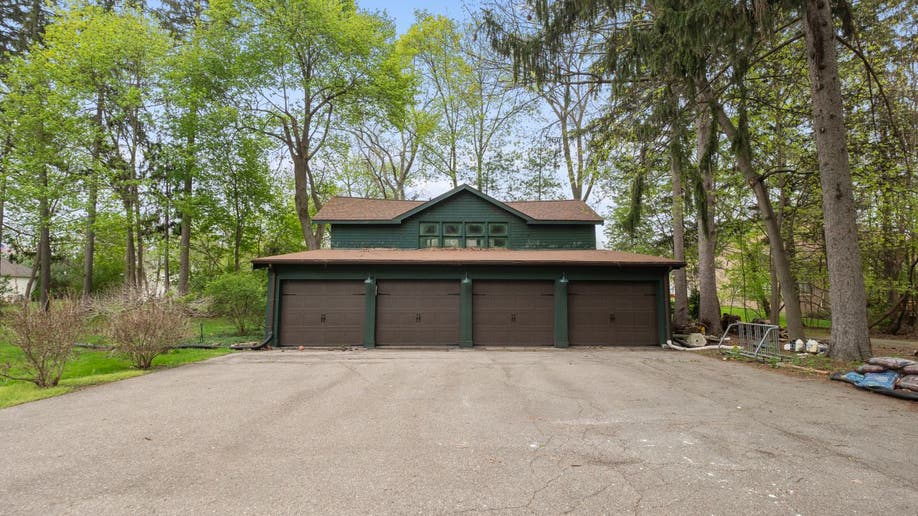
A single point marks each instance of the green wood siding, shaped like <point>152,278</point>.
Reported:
<point>464,207</point>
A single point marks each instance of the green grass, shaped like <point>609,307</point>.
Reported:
<point>92,367</point>
<point>89,367</point>
<point>748,314</point>
<point>222,332</point>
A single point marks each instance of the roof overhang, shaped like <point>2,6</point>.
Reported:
<point>400,217</point>
<point>468,257</point>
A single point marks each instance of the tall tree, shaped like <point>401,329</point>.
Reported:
<point>850,336</point>
<point>44,124</point>
<point>309,60</point>
<point>491,106</point>
<point>196,77</point>
<point>435,45</point>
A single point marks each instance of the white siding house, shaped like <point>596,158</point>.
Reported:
<point>17,278</point>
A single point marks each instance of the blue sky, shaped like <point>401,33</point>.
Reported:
<point>402,11</point>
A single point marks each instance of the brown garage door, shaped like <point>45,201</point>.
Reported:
<point>513,313</point>
<point>321,313</point>
<point>603,313</point>
<point>417,313</point>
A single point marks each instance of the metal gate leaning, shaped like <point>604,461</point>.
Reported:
<point>752,340</point>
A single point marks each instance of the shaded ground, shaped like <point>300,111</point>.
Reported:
<point>895,346</point>
<point>583,431</point>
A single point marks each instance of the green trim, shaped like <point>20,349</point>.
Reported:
<point>369,317</point>
<point>465,313</point>
<point>561,322</point>
<point>391,222</point>
<point>275,337</point>
<point>478,272</point>
<point>270,304</point>
<point>662,310</point>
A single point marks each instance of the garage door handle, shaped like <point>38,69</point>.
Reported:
<point>417,317</point>
<point>322,319</point>
<point>611,317</point>
<point>512,317</point>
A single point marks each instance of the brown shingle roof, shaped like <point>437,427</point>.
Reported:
<point>358,208</point>
<point>14,270</point>
<point>468,257</point>
<point>574,211</point>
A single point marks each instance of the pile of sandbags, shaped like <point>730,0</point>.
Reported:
<point>886,375</point>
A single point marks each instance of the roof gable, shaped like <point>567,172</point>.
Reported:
<point>456,191</point>
<point>353,210</point>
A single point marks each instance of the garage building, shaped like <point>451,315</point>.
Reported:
<point>465,270</point>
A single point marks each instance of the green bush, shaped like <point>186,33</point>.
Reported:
<point>240,297</point>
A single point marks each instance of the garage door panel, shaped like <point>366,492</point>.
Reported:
<point>612,313</point>
<point>417,313</point>
<point>321,313</point>
<point>513,313</point>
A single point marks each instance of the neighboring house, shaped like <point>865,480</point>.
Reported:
<point>465,269</point>
<point>17,279</point>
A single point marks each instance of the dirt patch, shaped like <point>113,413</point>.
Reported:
<point>894,346</point>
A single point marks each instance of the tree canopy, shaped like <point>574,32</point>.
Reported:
<point>771,145</point>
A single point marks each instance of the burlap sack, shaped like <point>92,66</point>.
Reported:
<point>909,382</point>
<point>890,362</point>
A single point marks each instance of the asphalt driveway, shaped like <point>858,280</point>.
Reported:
<point>584,431</point>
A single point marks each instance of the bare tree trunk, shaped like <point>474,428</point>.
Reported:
<point>2,203</point>
<point>89,246</point>
<point>141,280</point>
<point>44,241</point>
<point>130,259</point>
<point>774,314</point>
<point>708,302</point>
<point>185,237</point>
<point>30,285</point>
<point>847,295</point>
<point>313,238</point>
<point>680,283</point>
<point>167,282</point>
<point>237,225</point>
<point>780,261</point>
<point>7,145</point>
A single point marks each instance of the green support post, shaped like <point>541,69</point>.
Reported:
<point>269,306</point>
<point>369,319</point>
<point>465,313</point>
<point>561,336</point>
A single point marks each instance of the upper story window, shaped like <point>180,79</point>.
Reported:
<point>497,233</point>
<point>430,229</point>
<point>463,234</point>
<point>429,234</point>
<point>452,234</point>
<point>452,229</point>
<point>475,235</point>
<point>497,229</point>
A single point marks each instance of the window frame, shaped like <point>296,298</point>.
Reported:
<point>458,233</point>
<point>506,230</point>
<point>421,229</point>
<point>501,237</point>
<point>484,229</point>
